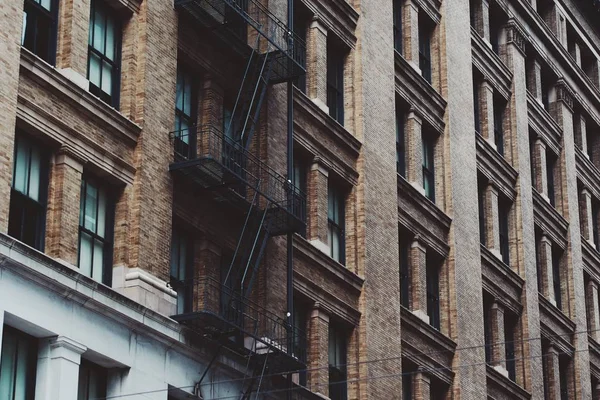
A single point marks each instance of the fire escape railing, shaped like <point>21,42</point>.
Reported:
<point>238,323</point>
<point>211,159</point>
<point>239,16</point>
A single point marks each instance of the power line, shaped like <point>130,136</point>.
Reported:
<point>424,369</point>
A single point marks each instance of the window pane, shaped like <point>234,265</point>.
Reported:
<point>179,94</point>
<point>185,132</point>
<point>174,254</point>
<point>85,254</point>
<point>182,260</point>
<point>98,263</point>
<point>7,372</point>
<point>21,166</point>
<point>101,222</point>
<point>107,71</point>
<point>335,245</point>
<point>187,104</point>
<point>110,40</point>
<point>91,201</point>
<point>23,357</point>
<point>82,388</point>
<point>24,28</point>
<point>98,27</point>
<point>34,174</point>
<point>46,4</point>
<point>94,69</point>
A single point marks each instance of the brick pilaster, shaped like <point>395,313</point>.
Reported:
<point>411,33</point>
<point>535,80</point>
<point>316,66</point>
<point>587,219</point>
<point>414,150</point>
<point>418,279</point>
<point>580,126</point>
<point>64,195</point>
<point>486,101</point>
<point>593,313</point>
<point>482,19</point>
<point>317,205</point>
<point>551,358</point>
<point>207,270</point>
<point>540,180</point>
<point>492,222</point>
<point>545,255</point>
<point>422,386</point>
<point>72,47</point>
<point>318,351</point>
<point>498,338</point>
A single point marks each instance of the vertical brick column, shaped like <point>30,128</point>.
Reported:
<point>316,66</point>
<point>318,351</point>
<point>411,33</point>
<point>414,151</point>
<point>513,52</point>
<point>210,114</point>
<point>562,110</point>
<point>492,228</point>
<point>207,264</point>
<point>11,21</point>
<point>58,369</point>
<point>64,195</point>
<point>498,338</point>
<point>535,80</point>
<point>540,180</point>
<point>73,31</point>
<point>545,255</point>
<point>593,313</point>
<point>587,219</point>
<point>418,279</point>
<point>580,126</point>
<point>551,358</point>
<point>422,385</point>
<point>486,100</point>
<point>317,205</point>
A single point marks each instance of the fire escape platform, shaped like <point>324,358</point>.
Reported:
<point>243,327</point>
<point>240,21</point>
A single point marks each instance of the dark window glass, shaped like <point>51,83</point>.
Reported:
<point>182,254</point>
<point>104,53</point>
<point>96,215</point>
<point>595,225</point>
<point>487,331</point>
<point>425,48</point>
<point>234,20</point>
<point>538,263</point>
<point>550,163</point>
<point>400,150</point>
<point>532,159</point>
<point>556,277</point>
<point>40,27</point>
<point>335,83</point>
<point>18,365</point>
<point>429,167</point>
<point>300,27</point>
<point>433,294</point>
<point>92,381</point>
<point>338,389</point>
<point>398,26</point>
<point>482,221</point>
<point>404,248</point>
<point>300,183</point>
<point>503,214</point>
<point>499,126</point>
<point>407,381</point>
<point>476,108</point>
<point>185,114</point>
<point>336,224</point>
<point>509,347</point>
<point>27,218</point>
<point>563,368</point>
<point>300,323</point>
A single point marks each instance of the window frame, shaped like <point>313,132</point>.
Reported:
<point>398,26</point>
<point>481,210</point>
<point>300,180</point>
<point>183,286</point>
<point>428,165</point>
<point>400,142</point>
<point>108,240</point>
<point>504,229</point>
<point>404,269</point>
<point>499,109</point>
<point>551,176</point>
<point>100,373</point>
<point>557,277</point>
<point>509,347</point>
<point>35,9</point>
<point>186,150</point>
<point>335,81</point>
<point>31,343</point>
<point>23,200</point>
<point>336,198</point>
<point>425,61</point>
<point>433,293</point>
<point>113,98</point>
<point>338,373</point>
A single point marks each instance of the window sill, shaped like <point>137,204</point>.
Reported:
<point>490,162</point>
<point>554,323</point>
<point>543,124</point>
<point>502,387</point>
<point>547,217</point>
<point>491,65</point>
<point>501,281</point>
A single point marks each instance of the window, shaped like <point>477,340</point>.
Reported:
<point>335,82</point>
<point>564,364</point>
<point>425,32</point>
<point>503,215</point>
<point>433,293</point>
<point>594,223</point>
<point>400,150</point>
<point>95,232</point>
<point>300,27</point>
<point>336,224</point>
<point>18,365</point>
<point>27,218</point>
<point>428,167</point>
<point>398,26</point>
<point>408,371</point>
<point>185,114</point>
<point>499,106</point>
<point>104,53</point>
<point>404,249</point>
<point>300,183</point>
<point>538,263</point>
<point>487,328</point>
<point>39,28</point>
<point>92,381</point>
<point>300,323</point>
<point>181,269</point>
<point>556,276</point>
<point>509,346</point>
<point>550,164</point>
<point>482,222</point>
<point>338,389</point>
<point>476,107</point>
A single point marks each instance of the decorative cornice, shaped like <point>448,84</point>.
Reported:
<point>564,93</point>
<point>516,35</point>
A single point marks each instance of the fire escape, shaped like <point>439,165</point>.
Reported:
<point>220,162</point>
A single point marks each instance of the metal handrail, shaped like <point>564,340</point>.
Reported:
<point>208,142</point>
<point>210,296</point>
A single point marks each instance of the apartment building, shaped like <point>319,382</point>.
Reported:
<point>343,199</point>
